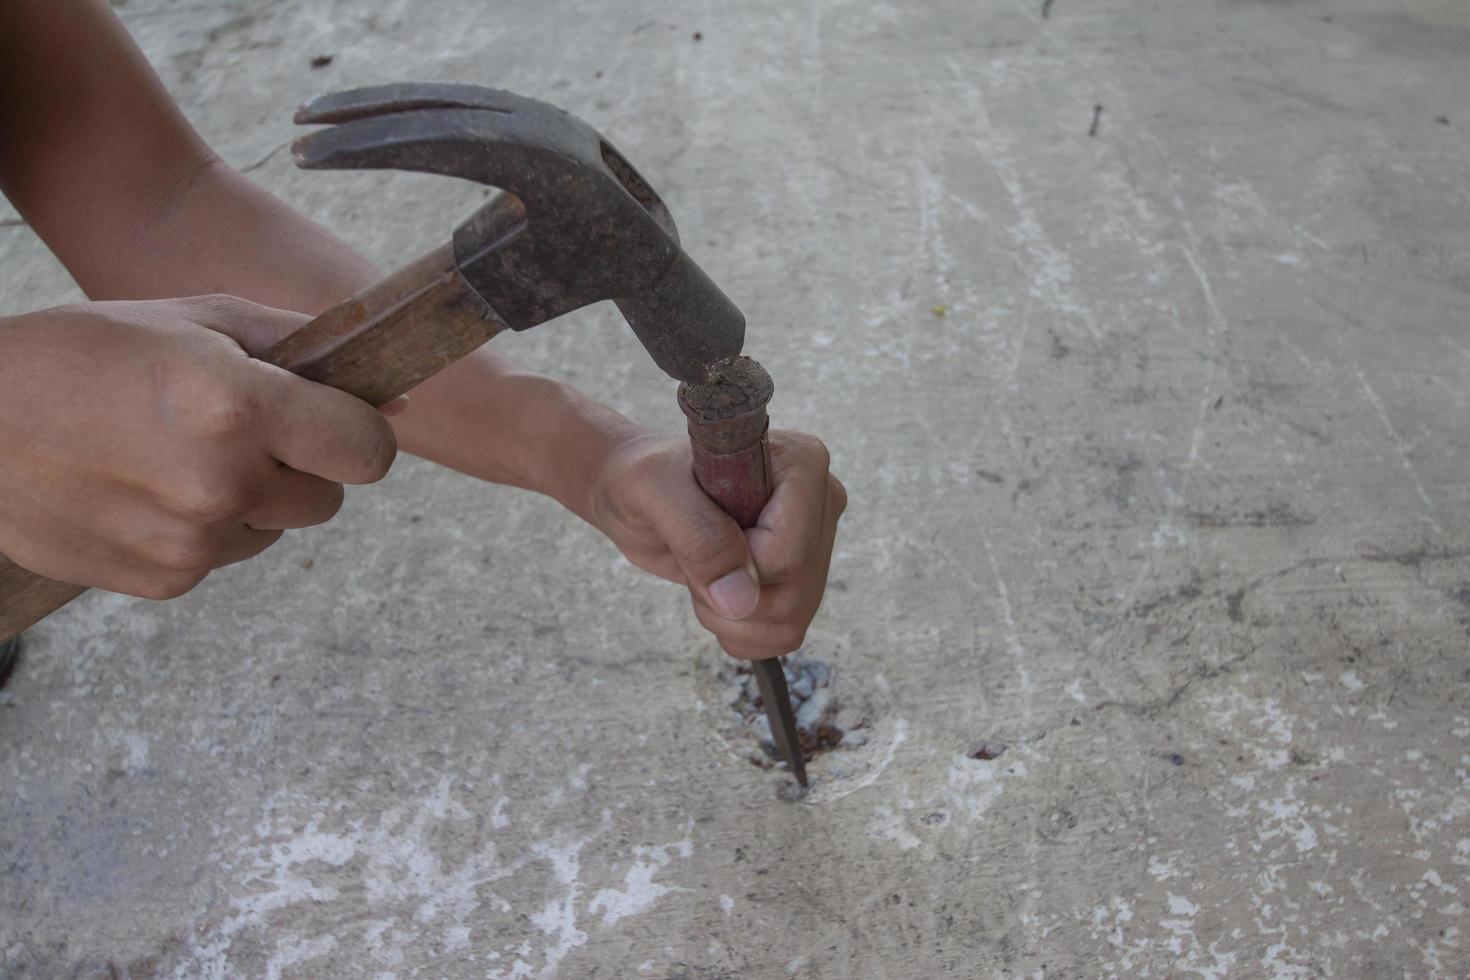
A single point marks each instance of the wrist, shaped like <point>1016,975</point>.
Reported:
<point>493,420</point>
<point>591,438</point>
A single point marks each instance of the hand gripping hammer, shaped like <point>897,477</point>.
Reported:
<point>576,224</point>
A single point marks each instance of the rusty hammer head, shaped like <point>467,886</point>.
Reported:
<point>579,224</point>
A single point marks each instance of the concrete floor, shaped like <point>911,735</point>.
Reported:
<point>1170,504</point>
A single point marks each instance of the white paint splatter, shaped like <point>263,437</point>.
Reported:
<point>558,917</point>
<point>639,890</point>
<point>888,825</point>
<point>1179,905</point>
<point>291,953</point>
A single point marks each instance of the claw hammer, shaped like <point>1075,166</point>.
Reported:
<point>576,224</point>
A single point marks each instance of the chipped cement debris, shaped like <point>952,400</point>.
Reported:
<point>986,750</point>
<point>821,723</point>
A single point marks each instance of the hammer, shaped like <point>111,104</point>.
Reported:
<point>576,224</point>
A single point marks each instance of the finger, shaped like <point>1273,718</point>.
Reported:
<point>396,406</point>
<point>838,490</point>
<point>254,327</point>
<point>710,548</point>
<point>322,431</point>
<point>174,551</point>
<point>313,428</point>
<point>790,528</point>
<point>755,638</point>
<point>659,564</point>
<point>816,582</point>
<point>785,612</point>
<point>240,543</point>
<point>292,499</point>
<point>258,328</point>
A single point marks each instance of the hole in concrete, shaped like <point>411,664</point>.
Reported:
<point>820,724</point>
<point>852,725</point>
<point>985,750</point>
<point>826,736</point>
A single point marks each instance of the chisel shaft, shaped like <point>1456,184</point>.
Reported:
<point>732,462</point>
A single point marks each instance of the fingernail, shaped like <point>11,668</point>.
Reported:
<point>735,595</point>
<point>394,406</point>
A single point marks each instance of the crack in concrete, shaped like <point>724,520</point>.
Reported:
<point>1154,707</point>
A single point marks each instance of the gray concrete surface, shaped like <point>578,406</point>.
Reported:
<point>1171,503</point>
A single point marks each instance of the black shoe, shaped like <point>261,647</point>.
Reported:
<point>9,654</point>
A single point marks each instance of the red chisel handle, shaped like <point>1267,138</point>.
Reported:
<point>727,430</point>
<point>732,463</point>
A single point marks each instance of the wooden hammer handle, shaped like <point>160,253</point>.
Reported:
<point>376,345</point>
<point>393,335</point>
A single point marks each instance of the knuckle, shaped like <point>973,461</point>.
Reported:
<point>310,508</point>
<point>644,469</point>
<point>222,305</point>
<point>330,502</point>
<point>839,496</point>
<point>788,610</point>
<point>164,586</point>
<point>641,465</point>
<point>209,499</point>
<point>789,636</point>
<point>185,555</point>
<point>778,565</point>
<point>820,452</point>
<point>704,541</point>
<point>221,412</point>
<point>807,446</point>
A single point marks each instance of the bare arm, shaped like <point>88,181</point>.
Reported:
<point>110,174</point>
<point>104,166</point>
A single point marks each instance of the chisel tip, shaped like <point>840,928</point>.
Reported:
<point>772,683</point>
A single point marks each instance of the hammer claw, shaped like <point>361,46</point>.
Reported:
<point>587,227</point>
<point>381,100</point>
<point>522,150</point>
<point>404,140</point>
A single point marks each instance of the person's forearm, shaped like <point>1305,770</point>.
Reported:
<point>487,417</point>
<point>224,234</point>
<point>103,165</point>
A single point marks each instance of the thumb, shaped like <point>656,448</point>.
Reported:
<point>713,553</point>
<point>258,328</point>
<point>254,327</point>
